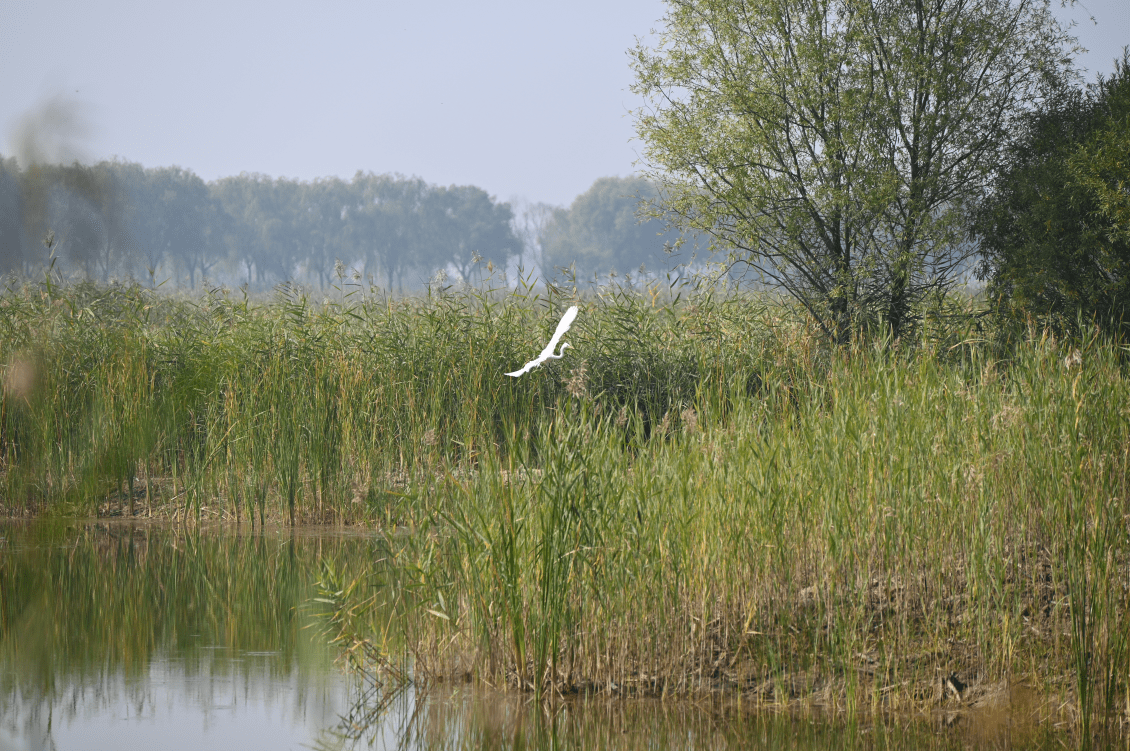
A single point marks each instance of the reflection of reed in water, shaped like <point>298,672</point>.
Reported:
<point>478,717</point>
<point>162,623</point>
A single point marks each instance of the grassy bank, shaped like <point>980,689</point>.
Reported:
<point>701,495</point>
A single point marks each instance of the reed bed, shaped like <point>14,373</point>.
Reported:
<point>701,496</point>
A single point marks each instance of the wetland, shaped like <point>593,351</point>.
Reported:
<point>149,635</point>
<point>702,514</point>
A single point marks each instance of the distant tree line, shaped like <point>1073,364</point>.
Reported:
<point>602,232</point>
<point>117,219</point>
<point>121,219</point>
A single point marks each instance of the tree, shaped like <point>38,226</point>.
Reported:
<point>462,223</point>
<point>1055,231</point>
<point>182,222</point>
<point>141,256</point>
<point>266,229</point>
<point>838,145</point>
<point>11,218</point>
<point>83,206</point>
<point>530,223</point>
<point>602,229</point>
<point>243,243</point>
<point>1101,165</point>
<point>323,206</point>
<point>83,209</point>
<point>278,208</point>
<point>383,223</point>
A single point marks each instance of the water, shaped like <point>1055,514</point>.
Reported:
<point>122,636</point>
<point>125,636</point>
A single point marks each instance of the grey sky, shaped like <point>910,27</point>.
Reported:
<point>525,99</point>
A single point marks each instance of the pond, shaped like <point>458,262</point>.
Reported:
<point>118,635</point>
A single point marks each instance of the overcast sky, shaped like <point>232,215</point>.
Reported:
<point>525,99</point>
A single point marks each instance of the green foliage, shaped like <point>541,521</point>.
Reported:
<point>12,242</point>
<point>836,145</point>
<point>603,231</point>
<point>1101,166</point>
<point>1054,231</point>
<point>175,219</point>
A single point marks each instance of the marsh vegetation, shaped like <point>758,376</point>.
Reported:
<point>130,633</point>
<point>701,496</point>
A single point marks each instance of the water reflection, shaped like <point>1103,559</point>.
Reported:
<point>122,636</point>
<point>119,636</point>
<point>475,719</point>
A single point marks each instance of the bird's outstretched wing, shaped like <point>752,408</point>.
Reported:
<point>547,353</point>
<point>566,322</point>
<point>525,369</point>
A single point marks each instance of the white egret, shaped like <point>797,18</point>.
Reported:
<point>547,353</point>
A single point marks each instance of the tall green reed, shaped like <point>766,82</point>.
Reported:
<point>701,493</point>
<point>859,525</point>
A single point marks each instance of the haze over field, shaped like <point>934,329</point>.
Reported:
<point>249,142</point>
<point>522,100</point>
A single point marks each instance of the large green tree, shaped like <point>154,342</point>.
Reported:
<point>1101,165</point>
<point>838,145</point>
<point>245,202</point>
<point>82,208</point>
<point>267,227</point>
<point>1055,231</point>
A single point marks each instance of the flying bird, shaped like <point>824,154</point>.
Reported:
<point>547,353</point>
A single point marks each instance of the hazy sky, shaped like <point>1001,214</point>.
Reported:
<point>525,99</point>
